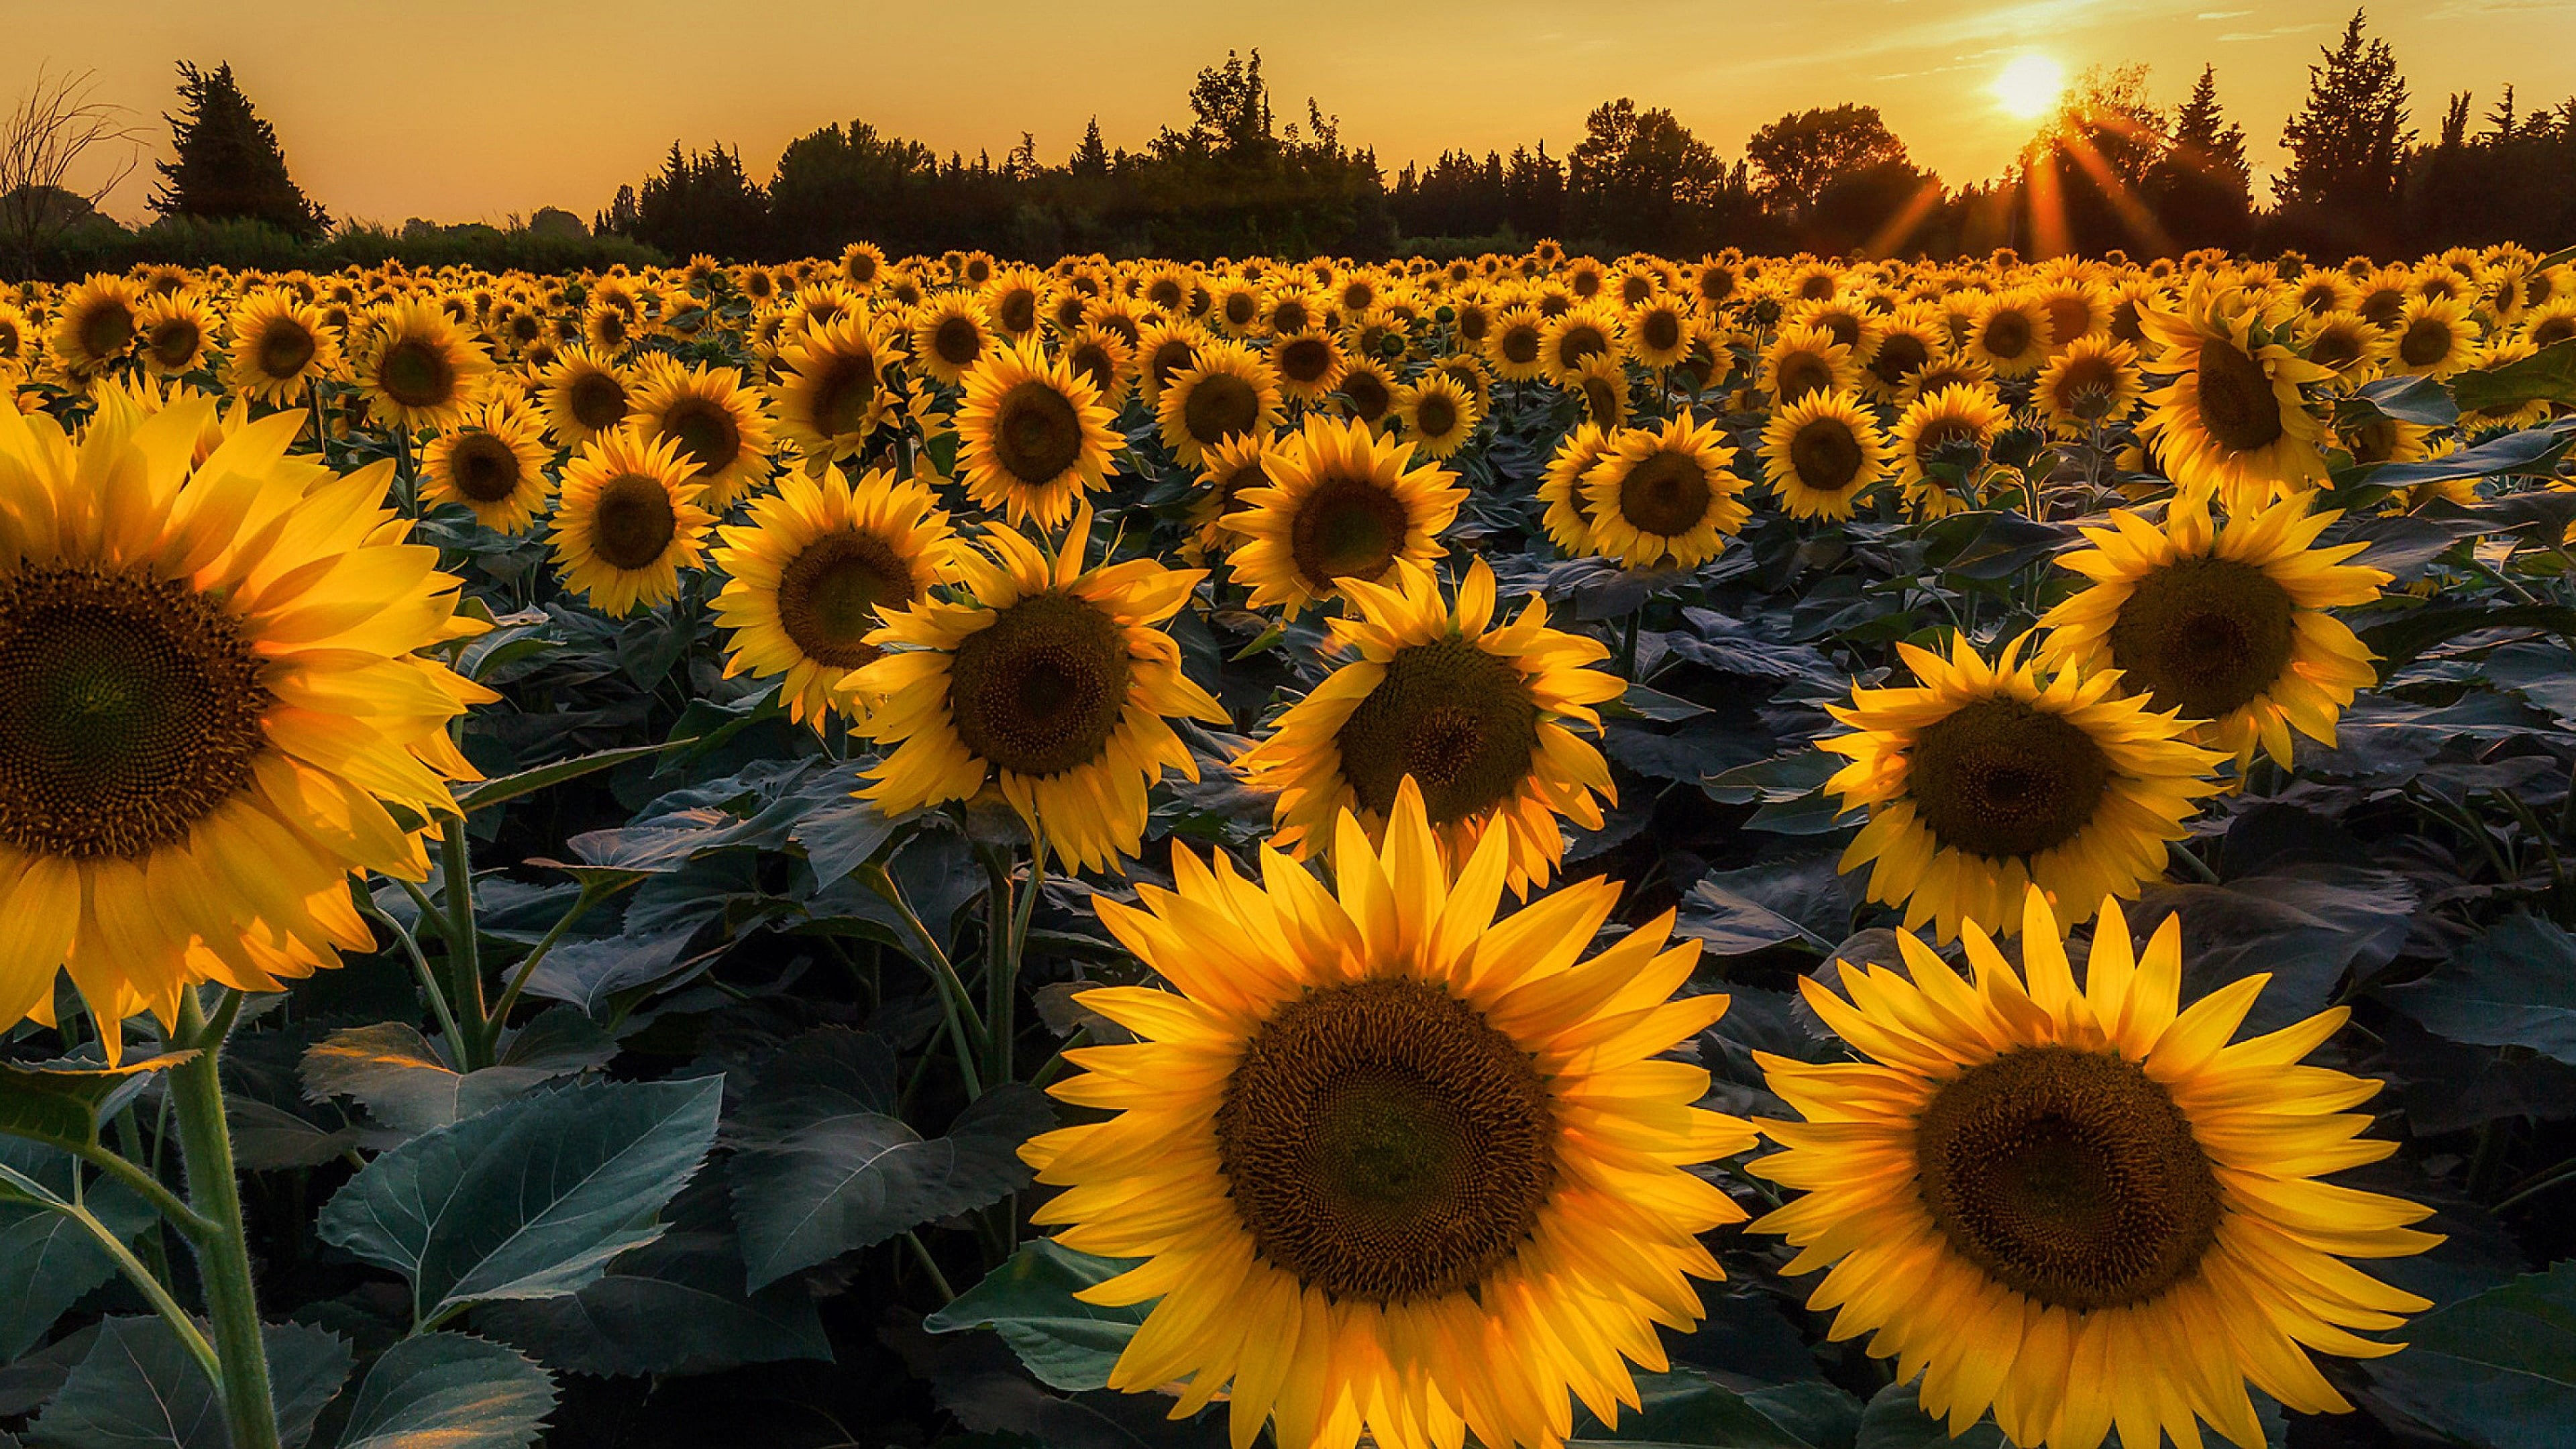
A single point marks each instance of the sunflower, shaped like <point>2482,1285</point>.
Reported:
<point>1905,344</point>
<point>1238,306</point>
<point>2549,323</point>
<point>2527,413</point>
<point>1475,714</point>
<point>2347,345</point>
<point>1517,344</point>
<point>1985,778</point>
<point>628,522</point>
<point>814,571</point>
<point>1955,420</point>
<point>418,370</point>
<point>1602,385</point>
<point>2434,337</point>
<point>1107,360</point>
<point>582,396</point>
<point>1229,470</point>
<point>1664,499</point>
<point>2010,333</point>
<point>1015,302</point>
<point>95,325</point>
<point>2226,624</point>
<point>1560,487</point>
<point>1577,336</point>
<point>1034,435</point>
<point>609,329</point>
<point>1802,360</point>
<point>1947,369</point>
<point>1228,391</point>
<point>1051,681</point>
<point>2082,1206</point>
<point>832,392</point>
<point>2094,381</point>
<point>174,333</point>
<point>1822,453</point>
<point>1438,413</point>
<point>1367,391</point>
<point>950,335</point>
<point>1342,503</point>
<point>719,424</point>
<point>280,346</point>
<point>17,341</point>
<point>494,463</point>
<point>2232,419</point>
<point>1394,1169</point>
<point>863,264</point>
<point>214,705</point>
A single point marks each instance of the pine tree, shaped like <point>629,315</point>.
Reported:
<point>1093,158</point>
<point>2201,189</point>
<point>2349,137</point>
<point>226,163</point>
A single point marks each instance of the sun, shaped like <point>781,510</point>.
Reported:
<point>2029,86</point>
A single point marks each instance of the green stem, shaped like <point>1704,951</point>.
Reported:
<point>2535,1187</point>
<point>592,894</point>
<point>1001,964</point>
<point>946,1293</point>
<point>2199,868</point>
<point>183,1217</point>
<point>1628,644</point>
<point>149,1284</point>
<point>954,999</point>
<point>464,959</point>
<point>223,1256</point>
<point>429,984</point>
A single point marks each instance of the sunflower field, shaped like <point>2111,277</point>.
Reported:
<point>1772,852</point>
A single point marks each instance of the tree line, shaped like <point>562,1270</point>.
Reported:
<point>2110,170</point>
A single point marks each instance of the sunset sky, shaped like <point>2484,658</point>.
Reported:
<point>471,109</point>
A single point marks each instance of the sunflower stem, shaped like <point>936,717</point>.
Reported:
<point>170,1205</point>
<point>223,1254</point>
<point>429,985</point>
<point>2199,868</point>
<point>1000,910</point>
<point>464,961</point>
<point>591,894</point>
<point>955,1001</point>
<point>150,1284</point>
<point>930,1264</point>
<point>1628,644</point>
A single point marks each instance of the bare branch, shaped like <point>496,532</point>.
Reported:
<point>56,129</point>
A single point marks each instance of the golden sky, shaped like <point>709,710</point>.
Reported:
<point>475,109</point>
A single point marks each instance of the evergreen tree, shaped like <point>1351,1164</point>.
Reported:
<point>1093,158</point>
<point>2348,140</point>
<point>226,163</point>
<point>2201,190</point>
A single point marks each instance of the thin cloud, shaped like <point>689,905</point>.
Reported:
<point>2275,33</point>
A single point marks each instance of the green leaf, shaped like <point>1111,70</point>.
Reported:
<point>449,1391</point>
<point>2513,986</point>
<point>60,1102</point>
<point>2497,1369</point>
<point>1687,1411</point>
<point>824,1164</point>
<point>1895,1420</point>
<point>2402,638</point>
<point>1067,1343</point>
<point>674,1306</point>
<point>2419,400</point>
<point>484,794</point>
<point>1639,702</point>
<point>140,1388</point>
<point>398,1074</point>
<point>531,1199</point>
<point>2548,375</point>
<point>48,1262</point>
<point>1775,781</point>
<point>2532,451</point>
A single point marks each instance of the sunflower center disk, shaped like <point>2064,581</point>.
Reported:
<point>957,341</point>
<point>415,375</point>
<point>2236,398</point>
<point>842,396</point>
<point>1667,494</point>
<point>1520,344</point>
<point>1802,374</point>
<point>1037,434</point>
<point>1897,356</point>
<point>2068,1175</point>
<point>598,401</point>
<point>2206,635</point>
<point>2426,342</point>
<point>1999,778</point>
<point>1384,1143</point>
<point>1221,406</point>
<point>1436,417</point>
<point>1348,528</point>
<point>2008,335</point>
<point>829,596</point>
<point>707,433</point>
<point>486,469</point>
<point>1369,397</point>
<point>1826,455</point>
<point>1458,720</point>
<point>284,349</point>
<point>129,710</point>
<point>1040,690</point>
<point>174,342</point>
<point>633,522</point>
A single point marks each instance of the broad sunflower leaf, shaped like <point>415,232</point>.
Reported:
<point>61,1101</point>
<point>531,1199</point>
<point>48,1262</point>
<point>2513,986</point>
<point>674,1306</point>
<point>407,1085</point>
<point>2495,1370</point>
<point>1069,1344</point>
<point>449,1391</point>
<point>2418,400</point>
<point>139,1388</point>
<point>1895,1420</point>
<point>822,1164</point>
<point>2548,375</point>
<point>484,794</point>
<point>1682,1409</point>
